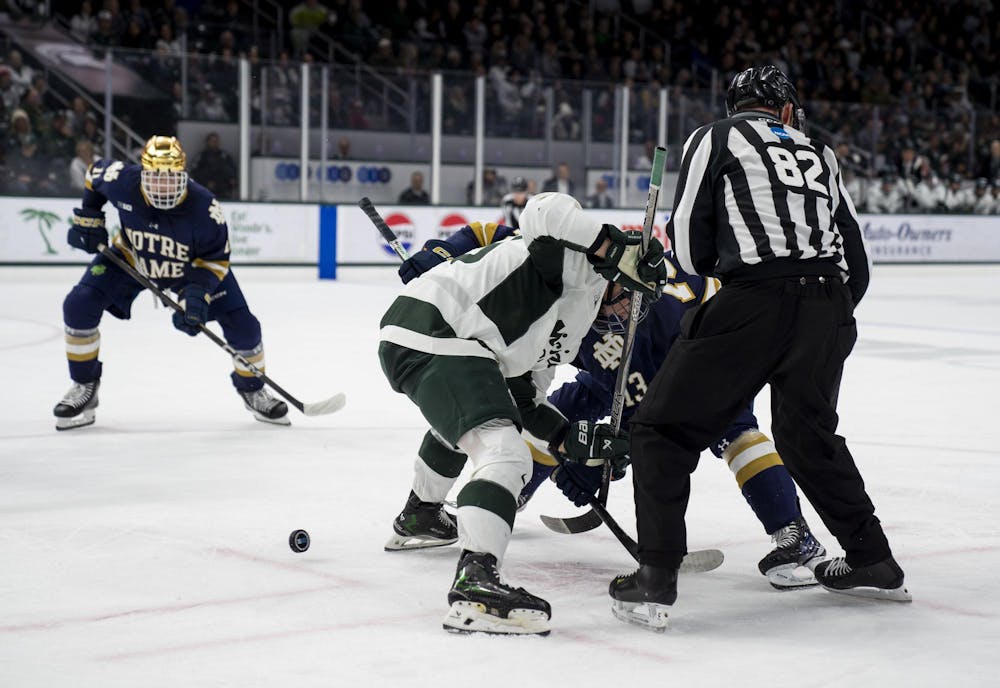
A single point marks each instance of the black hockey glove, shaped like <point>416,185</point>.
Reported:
<point>435,252</point>
<point>87,229</point>
<point>580,483</point>
<point>194,299</point>
<point>590,444</point>
<point>622,263</point>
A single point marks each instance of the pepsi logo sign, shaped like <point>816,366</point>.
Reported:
<point>402,227</point>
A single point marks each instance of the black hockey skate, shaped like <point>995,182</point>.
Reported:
<point>796,547</point>
<point>77,408</point>
<point>264,407</point>
<point>642,597</point>
<point>421,525</point>
<point>882,580</point>
<point>482,603</point>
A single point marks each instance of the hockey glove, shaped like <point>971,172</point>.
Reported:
<point>578,483</point>
<point>590,444</point>
<point>194,300</point>
<point>435,252</point>
<point>87,230</point>
<point>623,264</point>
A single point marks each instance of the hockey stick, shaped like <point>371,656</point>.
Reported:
<point>694,562</point>
<point>698,561</point>
<point>592,519</point>
<point>385,230</point>
<point>320,408</point>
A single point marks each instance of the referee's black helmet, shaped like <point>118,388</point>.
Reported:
<point>765,86</point>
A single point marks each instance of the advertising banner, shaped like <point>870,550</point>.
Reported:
<point>358,242</point>
<point>33,230</point>
<point>932,238</point>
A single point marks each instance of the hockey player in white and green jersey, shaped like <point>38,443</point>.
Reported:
<point>473,343</point>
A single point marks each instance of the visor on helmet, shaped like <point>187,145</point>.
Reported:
<point>612,317</point>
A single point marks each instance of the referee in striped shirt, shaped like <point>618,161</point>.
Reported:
<point>761,206</point>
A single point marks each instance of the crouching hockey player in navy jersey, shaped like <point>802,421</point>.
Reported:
<point>750,454</point>
<point>175,233</point>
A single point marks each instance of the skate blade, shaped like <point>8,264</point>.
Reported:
<point>283,420</point>
<point>471,617</point>
<point>649,615</point>
<point>78,421</point>
<point>900,594</point>
<point>791,577</point>
<point>399,543</point>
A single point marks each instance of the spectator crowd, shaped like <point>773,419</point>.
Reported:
<point>908,91</point>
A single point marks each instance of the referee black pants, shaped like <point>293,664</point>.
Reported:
<point>793,333</point>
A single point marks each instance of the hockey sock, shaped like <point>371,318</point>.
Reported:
<point>435,469</point>
<point>243,379</point>
<point>763,479</point>
<point>82,348</point>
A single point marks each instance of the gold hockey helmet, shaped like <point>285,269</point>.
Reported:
<point>164,180</point>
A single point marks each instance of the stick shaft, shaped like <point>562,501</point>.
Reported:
<point>216,339</point>
<point>385,230</point>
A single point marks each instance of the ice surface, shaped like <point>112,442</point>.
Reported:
<point>151,548</point>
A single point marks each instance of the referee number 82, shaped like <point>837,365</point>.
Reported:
<point>799,169</point>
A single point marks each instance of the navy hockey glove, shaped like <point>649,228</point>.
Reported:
<point>87,229</point>
<point>591,444</point>
<point>623,264</point>
<point>578,483</point>
<point>435,252</point>
<point>194,299</point>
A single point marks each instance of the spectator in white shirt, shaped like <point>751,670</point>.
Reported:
<point>929,194</point>
<point>885,196</point>
<point>982,202</point>
<point>78,166</point>
<point>957,199</point>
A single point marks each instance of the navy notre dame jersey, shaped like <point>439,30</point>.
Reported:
<point>188,243</point>
<point>600,354</point>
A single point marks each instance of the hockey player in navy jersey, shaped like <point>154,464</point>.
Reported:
<point>173,231</point>
<point>750,454</point>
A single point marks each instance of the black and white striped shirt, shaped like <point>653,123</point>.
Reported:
<point>757,199</point>
<point>512,209</point>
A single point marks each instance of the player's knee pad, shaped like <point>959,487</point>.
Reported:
<point>240,328</point>
<point>83,307</point>
<point>749,454</point>
<point>498,454</point>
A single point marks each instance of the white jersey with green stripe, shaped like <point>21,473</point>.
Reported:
<point>526,302</point>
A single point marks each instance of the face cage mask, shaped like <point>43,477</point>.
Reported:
<point>164,189</point>
<point>612,318</point>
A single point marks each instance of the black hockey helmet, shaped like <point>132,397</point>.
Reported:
<point>519,184</point>
<point>765,86</point>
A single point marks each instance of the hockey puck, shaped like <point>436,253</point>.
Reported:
<point>298,541</point>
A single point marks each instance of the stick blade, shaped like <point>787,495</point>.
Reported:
<point>573,525</point>
<point>322,408</point>
<point>702,560</point>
